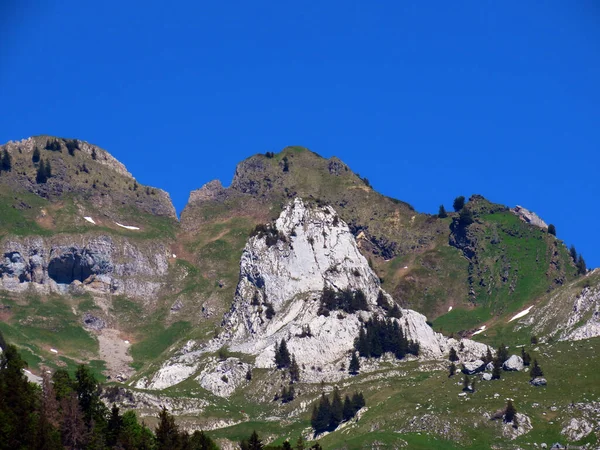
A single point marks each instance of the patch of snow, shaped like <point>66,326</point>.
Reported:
<point>129,227</point>
<point>90,220</point>
<point>406,267</point>
<point>450,309</point>
<point>53,350</point>
<point>521,314</point>
<point>127,342</point>
<point>174,255</point>
<point>481,330</point>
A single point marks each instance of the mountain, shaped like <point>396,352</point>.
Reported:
<point>96,268</point>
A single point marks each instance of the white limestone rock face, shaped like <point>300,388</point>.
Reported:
<point>577,429</point>
<point>514,363</point>
<point>287,267</point>
<point>222,378</point>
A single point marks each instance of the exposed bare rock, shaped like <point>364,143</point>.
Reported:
<point>577,429</point>
<point>286,267</point>
<point>514,363</point>
<point>98,264</point>
<point>529,217</point>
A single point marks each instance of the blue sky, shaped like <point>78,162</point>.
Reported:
<point>428,101</point>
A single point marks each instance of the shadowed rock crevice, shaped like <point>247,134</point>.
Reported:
<point>76,265</point>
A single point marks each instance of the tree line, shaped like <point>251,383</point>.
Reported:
<point>328,414</point>
<point>67,412</point>
<point>378,336</point>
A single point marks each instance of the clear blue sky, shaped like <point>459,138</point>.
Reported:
<point>427,101</point>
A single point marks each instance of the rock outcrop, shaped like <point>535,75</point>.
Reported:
<point>283,271</point>
<point>100,264</point>
<point>529,217</point>
<point>514,363</point>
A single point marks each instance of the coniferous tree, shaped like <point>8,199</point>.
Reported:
<point>536,370</point>
<point>286,445</point>
<point>114,426</point>
<point>442,214</point>
<point>459,203</point>
<point>502,353</point>
<point>41,177</point>
<point>497,370</point>
<point>48,169</point>
<point>552,229</point>
<point>453,357</point>
<point>6,164</point>
<point>382,302</point>
<point>573,253</point>
<point>581,266</point>
<point>358,401</point>
<point>451,370</point>
<point>465,218</point>
<point>337,410</point>
<point>167,431</point>
<point>348,410</point>
<point>255,443</point>
<point>201,441</point>
<point>300,445</point>
<point>282,355</point>
<point>94,154</point>
<point>354,365</point>
<point>294,371</point>
<point>525,356</point>
<point>488,356</point>
<point>74,432</point>
<point>35,157</point>
<point>510,412</point>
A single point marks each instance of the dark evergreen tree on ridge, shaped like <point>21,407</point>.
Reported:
<point>459,203</point>
<point>354,365</point>
<point>442,214</point>
<point>282,356</point>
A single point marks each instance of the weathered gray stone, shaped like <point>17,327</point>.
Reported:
<point>472,367</point>
<point>514,363</point>
<point>539,381</point>
<point>486,377</point>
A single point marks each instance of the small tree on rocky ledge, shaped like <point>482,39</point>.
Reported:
<point>510,412</point>
<point>459,203</point>
<point>442,214</point>
<point>453,357</point>
<point>282,355</point>
<point>497,370</point>
<point>552,229</point>
<point>354,366</point>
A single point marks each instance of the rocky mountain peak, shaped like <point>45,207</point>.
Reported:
<point>284,269</point>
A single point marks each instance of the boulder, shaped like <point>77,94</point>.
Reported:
<point>514,363</point>
<point>472,367</point>
<point>486,377</point>
<point>539,381</point>
<point>489,367</point>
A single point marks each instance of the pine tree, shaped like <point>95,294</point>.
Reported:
<point>249,374</point>
<point>525,356</point>
<point>286,445</point>
<point>6,164</point>
<point>497,370</point>
<point>94,154</point>
<point>348,410</point>
<point>552,229</point>
<point>167,431</point>
<point>201,441</point>
<point>41,177</point>
<point>573,253</point>
<point>74,432</point>
<point>465,218</point>
<point>453,357</point>
<point>282,355</point>
<point>442,214</point>
<point>114,426</point>
<point>459,203</point>
<point>48,169</point>
<point>358,401</point>
<point>502,353</point>
<point>581,266</point>
<point>35,157</point>
<point>254,443</point>
<point>354,366</point>
<point>536,370</point>
<point>510,412</point>
<point>488,356</point>
<point>300,443</point>
<point>451,370</point>
<point>337,410</point>
<point>294,371</point>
